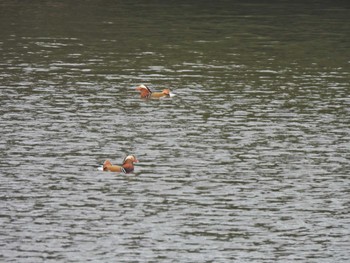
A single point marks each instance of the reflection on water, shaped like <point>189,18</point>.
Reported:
<point>248,162</point>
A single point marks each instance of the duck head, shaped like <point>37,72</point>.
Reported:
<point>166,92</point>
<point>130,159</point>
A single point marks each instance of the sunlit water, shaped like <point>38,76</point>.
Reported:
<point>249,162</point>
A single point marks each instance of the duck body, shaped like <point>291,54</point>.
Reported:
<point>126,167</point>
<point>146,93</point>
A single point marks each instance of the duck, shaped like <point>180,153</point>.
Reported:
<point>126,167</point>
<point>146,93</point>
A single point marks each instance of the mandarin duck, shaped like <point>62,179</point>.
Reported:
<point>146,93</point>
<point>126,167</point>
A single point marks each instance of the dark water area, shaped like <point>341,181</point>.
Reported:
<point>249,162</point>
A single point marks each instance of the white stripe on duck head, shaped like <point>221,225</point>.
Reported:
<point>131,158</point>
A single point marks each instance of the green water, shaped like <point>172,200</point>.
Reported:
<point>249,162</point>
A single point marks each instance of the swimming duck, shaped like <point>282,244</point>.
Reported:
<point>126,167</point>
<point>146,93</point>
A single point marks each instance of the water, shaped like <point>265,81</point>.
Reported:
<point>249,162</point>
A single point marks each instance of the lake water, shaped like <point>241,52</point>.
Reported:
<point>249,162</point>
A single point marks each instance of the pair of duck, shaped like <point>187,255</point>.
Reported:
<point>128,162</point>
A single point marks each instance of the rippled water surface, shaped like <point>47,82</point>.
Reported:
<point>249,162</point>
